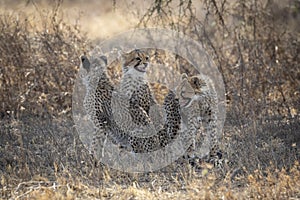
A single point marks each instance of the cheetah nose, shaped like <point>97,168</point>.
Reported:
<point>145,65</point>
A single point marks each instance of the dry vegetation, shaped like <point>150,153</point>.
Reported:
<point>256,45</point>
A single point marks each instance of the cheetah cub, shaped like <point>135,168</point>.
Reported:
<point>198,100</point>
<point>132,98</point>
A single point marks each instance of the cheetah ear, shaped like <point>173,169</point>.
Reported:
<point>85,63</point>
<point>184,76</point>
<point>104,58</point>
<point>120,51</point>
<point>122,55</point>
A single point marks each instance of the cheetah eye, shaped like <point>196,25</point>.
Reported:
<point>195,81</point>
<point>138,59</point>
<point>147,58</point>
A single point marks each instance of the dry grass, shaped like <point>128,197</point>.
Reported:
<point>258,56</point>
<point>270,184</point>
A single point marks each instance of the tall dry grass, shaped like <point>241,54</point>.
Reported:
<point>39,59</point>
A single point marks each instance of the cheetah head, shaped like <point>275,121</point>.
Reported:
<point>191,89</point>
<point>94,61</point>
<point>135,62</point>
